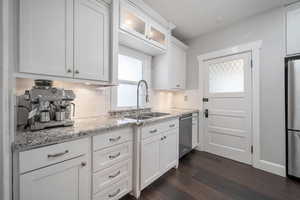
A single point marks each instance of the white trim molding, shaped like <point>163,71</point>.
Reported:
<point>254,48</point>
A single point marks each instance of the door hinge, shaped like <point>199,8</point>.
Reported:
<point>251,63</point>
<point>251,149</point>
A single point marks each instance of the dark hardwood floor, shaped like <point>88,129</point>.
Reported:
<point>203,176</point>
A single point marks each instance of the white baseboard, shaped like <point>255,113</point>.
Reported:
<point>264,165</point>
<point>271,167</point>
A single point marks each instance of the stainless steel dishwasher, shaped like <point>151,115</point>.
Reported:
<point>185,134</point>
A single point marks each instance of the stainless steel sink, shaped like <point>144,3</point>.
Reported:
<point>145,116</point>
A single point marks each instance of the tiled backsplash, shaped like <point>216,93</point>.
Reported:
<point>91,101</point>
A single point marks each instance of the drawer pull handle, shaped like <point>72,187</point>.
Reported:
<point>172,125</point>
<point>115,139</point>
<point>58,154</point>
<point>114,156</point>
<point>115,175</point>
<point>114,194</point>
<point>153,131</point>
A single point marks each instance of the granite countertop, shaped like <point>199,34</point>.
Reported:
<point>26,140</point>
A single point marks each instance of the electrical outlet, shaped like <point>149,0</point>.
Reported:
<point>186,98</point>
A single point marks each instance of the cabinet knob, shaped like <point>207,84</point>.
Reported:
<point>76,72</point>
<point>177,85</point>
<point>69,71</point>
<point>83,164</point>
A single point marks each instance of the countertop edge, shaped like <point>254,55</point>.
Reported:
<point>17,148</point>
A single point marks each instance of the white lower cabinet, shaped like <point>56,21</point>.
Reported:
<point>116,191</point>
<point>195,132</point>
<point>150,156</point>
<point>112,164</point>
<point>159,153</point>
<point>168,150</point>
<point>68,179</point>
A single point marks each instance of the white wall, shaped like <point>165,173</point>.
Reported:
<point>268,27</point>
<point>1,96</point>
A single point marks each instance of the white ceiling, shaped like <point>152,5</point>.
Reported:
<point>196,17</point>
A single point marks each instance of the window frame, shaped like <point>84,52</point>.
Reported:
<point>146,73</point>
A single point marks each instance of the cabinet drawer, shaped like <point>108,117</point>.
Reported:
<point>41,157</point>
<point>107,157</point>
<point>170,125</point>
<point>112,138</point>
<point>157,128</point>
<point>111,175</point>
<point>117,191</point>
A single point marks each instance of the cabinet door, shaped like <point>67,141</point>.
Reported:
<point>195,135</point>
<point>177,66</point>
<point>158,35</point>
<point>150,170</point>
<point>293,29</point>
<point>169,150</point>
<point>132,20</point>
<point>69,180</point>
<point>91,40</point>
<point>46,37</point>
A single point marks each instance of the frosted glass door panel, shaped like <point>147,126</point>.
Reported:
<point>157,36</point>
<point>226,77</point>
<point>130,69</point>
<point>131,22</point>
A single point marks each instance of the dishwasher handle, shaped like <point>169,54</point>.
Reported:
<point>185,118</point>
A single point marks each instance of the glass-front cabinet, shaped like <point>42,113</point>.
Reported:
<point>136,22</point>
<point>157,36</point>
<point>133,21</point>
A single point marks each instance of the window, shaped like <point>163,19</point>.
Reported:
<point>226,76</point>
<point>130,72</point>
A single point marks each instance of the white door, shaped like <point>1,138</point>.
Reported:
<point>168,150</point>
<point>69,180</point>
<point>150,153</point>
<point>228,131</point>
<point>46,37</point>
<point>91,40</point>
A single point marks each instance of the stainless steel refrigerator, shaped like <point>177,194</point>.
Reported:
<point>292,96</point>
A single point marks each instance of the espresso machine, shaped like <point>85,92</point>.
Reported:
<point>45,106</point>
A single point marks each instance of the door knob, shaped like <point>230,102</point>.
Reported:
<point>206,113</point>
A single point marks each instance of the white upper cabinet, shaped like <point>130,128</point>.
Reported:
<point>293,29</point>
<point>46,37</point>
<point>169,70</point>
<point>140,31</point>
<point>132,20</point>
<point>91,40</point>
<point>65,38</point>
<point>158,35</point>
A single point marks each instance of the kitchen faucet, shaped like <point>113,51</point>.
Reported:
<point>138,95</point>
